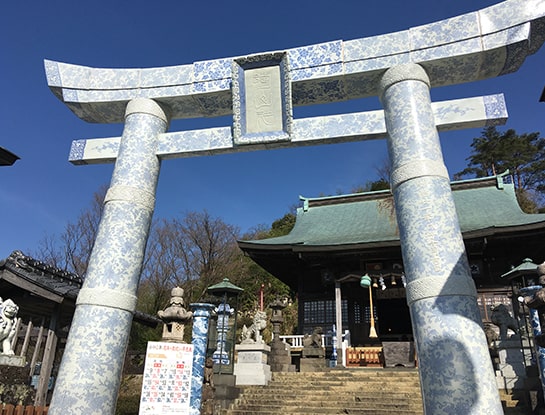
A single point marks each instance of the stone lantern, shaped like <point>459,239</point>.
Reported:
<point>531,292</point>
<point>280,357</point>
<point>175,317</point>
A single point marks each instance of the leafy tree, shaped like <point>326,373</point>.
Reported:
<point>193,252</point>
<point>282,226</point>
<point>372,186</point>
<point>253,277</point>
<point>381,183</point>
<point>72,249</point>
<point>523,155</point>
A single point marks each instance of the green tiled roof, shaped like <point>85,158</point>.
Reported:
<point>484,206</point>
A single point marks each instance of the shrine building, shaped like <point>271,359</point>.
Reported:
<point>338,239</point>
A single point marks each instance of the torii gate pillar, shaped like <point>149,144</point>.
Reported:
<point>455,368</point>
<point>90,372</point>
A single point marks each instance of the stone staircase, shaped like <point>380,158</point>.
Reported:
<point>337,391</point>
<point>342,391</point>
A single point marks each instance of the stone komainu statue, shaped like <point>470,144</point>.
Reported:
<point>8,318</point>
<point>501,318</point>
<point>312,344</point>
<point>313,340</point>
<point>252,334</point>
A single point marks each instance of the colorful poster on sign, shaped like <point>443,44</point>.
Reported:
<point>167,379</point>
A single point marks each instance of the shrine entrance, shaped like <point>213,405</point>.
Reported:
<point>393,317</point>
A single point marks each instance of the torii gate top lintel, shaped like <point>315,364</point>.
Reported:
<point>477,45</point>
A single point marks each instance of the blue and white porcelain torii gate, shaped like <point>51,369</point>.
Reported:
<point>259,90</point>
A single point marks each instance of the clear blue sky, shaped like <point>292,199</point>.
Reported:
<point>43,191</point>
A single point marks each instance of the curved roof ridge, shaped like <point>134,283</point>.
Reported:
<point>497,180</point>
<point>485,206</point>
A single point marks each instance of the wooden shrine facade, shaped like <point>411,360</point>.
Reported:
<point>338,239</point>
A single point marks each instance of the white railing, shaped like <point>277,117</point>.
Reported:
<point>295,341</point>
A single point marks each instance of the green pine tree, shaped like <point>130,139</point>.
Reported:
<point>494,152</point>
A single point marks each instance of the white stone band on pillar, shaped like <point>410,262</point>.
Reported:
<point>130,194</point>
<point>418,168</point>
<point>439,286</point>
<point>146,106</point>
<point>107,298</point>
<point>404,72</point>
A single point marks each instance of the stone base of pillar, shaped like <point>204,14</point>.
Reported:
<point>510,371</point>
<point>280,357</point>
<point>398,354</point>
<point>225,390</point>
<point>312,364</point>
<point>251,367</point>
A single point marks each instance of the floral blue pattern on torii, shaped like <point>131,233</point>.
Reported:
<point>478,45</point>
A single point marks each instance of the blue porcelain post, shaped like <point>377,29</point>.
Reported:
<point>91,368</point>
<point>454,363</point>
<point>199,339</point>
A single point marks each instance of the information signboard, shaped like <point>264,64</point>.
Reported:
<point>167,379</point>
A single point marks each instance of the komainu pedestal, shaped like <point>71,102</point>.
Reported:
<point>251,367</point>
<point>313,355</point>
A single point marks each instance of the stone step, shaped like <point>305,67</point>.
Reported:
<point>275,389</point>
<point>307,379</point>
<point>305,382</point>
<point>331,401</point>
<point>358,392</point>
<point>353,395</point>
<point>337,385</point>
<point>379,402</point>
<point>356,385</point>
<point>363,393</point>
<point>332,409</point>
<point>350,374</point>
<point>348,411</point>
<point>355,392</point>
<point>344,380</point>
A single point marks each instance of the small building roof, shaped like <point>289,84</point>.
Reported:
<point>485,207</point>
<point>37,287</point>
<point>225,286</point>
<point>527,268</point>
